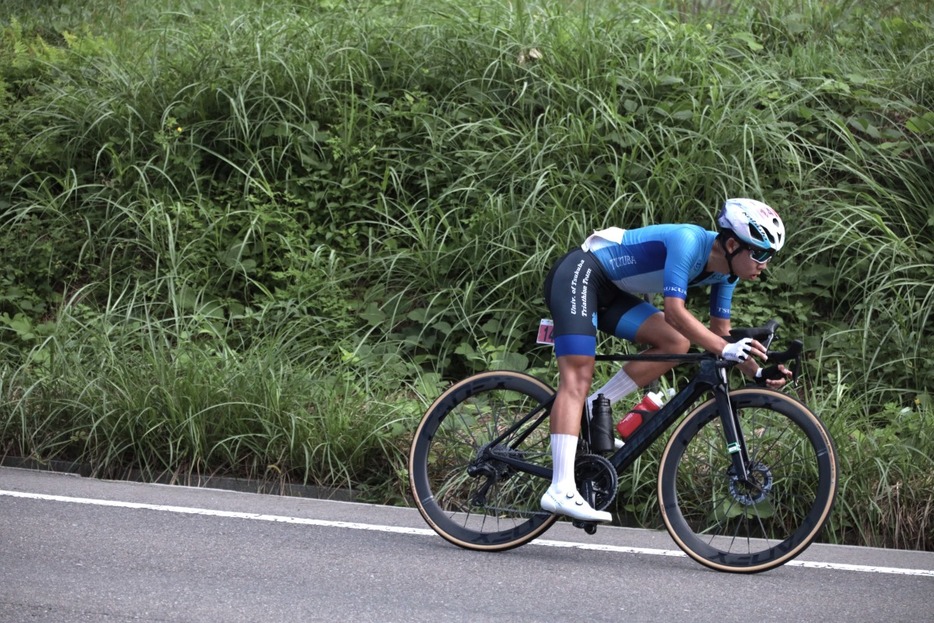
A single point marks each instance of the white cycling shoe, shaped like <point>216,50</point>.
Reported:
<point>571,504</point>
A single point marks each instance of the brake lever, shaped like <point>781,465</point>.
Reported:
<point>793,352</point>
<point>798,347</point>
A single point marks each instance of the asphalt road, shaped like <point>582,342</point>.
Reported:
<point>75,549</point>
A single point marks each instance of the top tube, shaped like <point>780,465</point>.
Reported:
<point>663,357</point>
<point>764,333</point>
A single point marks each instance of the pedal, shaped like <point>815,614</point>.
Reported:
<point>589,527</point>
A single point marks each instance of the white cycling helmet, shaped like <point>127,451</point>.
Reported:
<point>753,223</point>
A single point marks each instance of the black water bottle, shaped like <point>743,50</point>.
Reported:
<point>601,425</point>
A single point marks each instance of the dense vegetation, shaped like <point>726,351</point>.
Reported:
<point>259,239</point>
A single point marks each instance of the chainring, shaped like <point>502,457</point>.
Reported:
<point>596,480</point>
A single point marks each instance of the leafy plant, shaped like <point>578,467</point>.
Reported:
<point>259,239</point>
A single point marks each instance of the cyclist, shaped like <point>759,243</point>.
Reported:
<point>598,286</point>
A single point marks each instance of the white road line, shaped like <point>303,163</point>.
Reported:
<point>426,532</point>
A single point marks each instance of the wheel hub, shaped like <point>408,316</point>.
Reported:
<point>488,463</point>
<point>754,490</point>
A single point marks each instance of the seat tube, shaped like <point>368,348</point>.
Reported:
<point>732,433</point>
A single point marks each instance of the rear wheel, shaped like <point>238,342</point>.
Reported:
<point>463,484</point>
<point>747,527</point>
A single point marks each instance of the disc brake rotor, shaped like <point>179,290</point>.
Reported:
<point>756,489</point>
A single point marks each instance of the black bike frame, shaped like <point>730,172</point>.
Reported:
<point>710,378</point>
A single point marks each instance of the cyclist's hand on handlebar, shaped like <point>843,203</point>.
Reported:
<point>773,376</point>
<point>741,350</point>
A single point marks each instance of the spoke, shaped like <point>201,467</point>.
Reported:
<point>750,525</point>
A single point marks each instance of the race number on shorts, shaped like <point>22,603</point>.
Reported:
<point>546,332</point>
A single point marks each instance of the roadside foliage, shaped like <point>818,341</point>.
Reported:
<point>259,239</point>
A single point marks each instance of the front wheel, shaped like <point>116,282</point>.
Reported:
<point>747,527</point>
<point>463,470</point>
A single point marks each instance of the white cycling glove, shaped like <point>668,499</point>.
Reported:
<point>738,351</point>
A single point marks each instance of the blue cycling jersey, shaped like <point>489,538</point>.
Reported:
<point>663,258</point>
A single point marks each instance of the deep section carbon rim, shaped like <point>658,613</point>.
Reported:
<point>463,483</point>
<point>751,526</point>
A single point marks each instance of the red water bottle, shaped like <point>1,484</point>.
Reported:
<point>633,420</point>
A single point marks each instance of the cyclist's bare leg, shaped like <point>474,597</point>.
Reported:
<point>664,340</point>
<point>575,374</point>
<point>562,497</point>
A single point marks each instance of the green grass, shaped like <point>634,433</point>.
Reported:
<point>258,240</point>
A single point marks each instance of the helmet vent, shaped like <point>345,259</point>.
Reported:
<point>758,233</point>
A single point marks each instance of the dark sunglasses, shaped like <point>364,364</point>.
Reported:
<point>760,255</point>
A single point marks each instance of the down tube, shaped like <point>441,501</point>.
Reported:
<point>652,429</point>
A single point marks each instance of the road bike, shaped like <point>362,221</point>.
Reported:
<point>746,480</point>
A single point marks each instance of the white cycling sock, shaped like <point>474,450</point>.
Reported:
<point>615,389</point>
<point>563,452</point>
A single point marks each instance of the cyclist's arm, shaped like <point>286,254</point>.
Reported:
<point>720,326</point>
<point>678,316</point>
